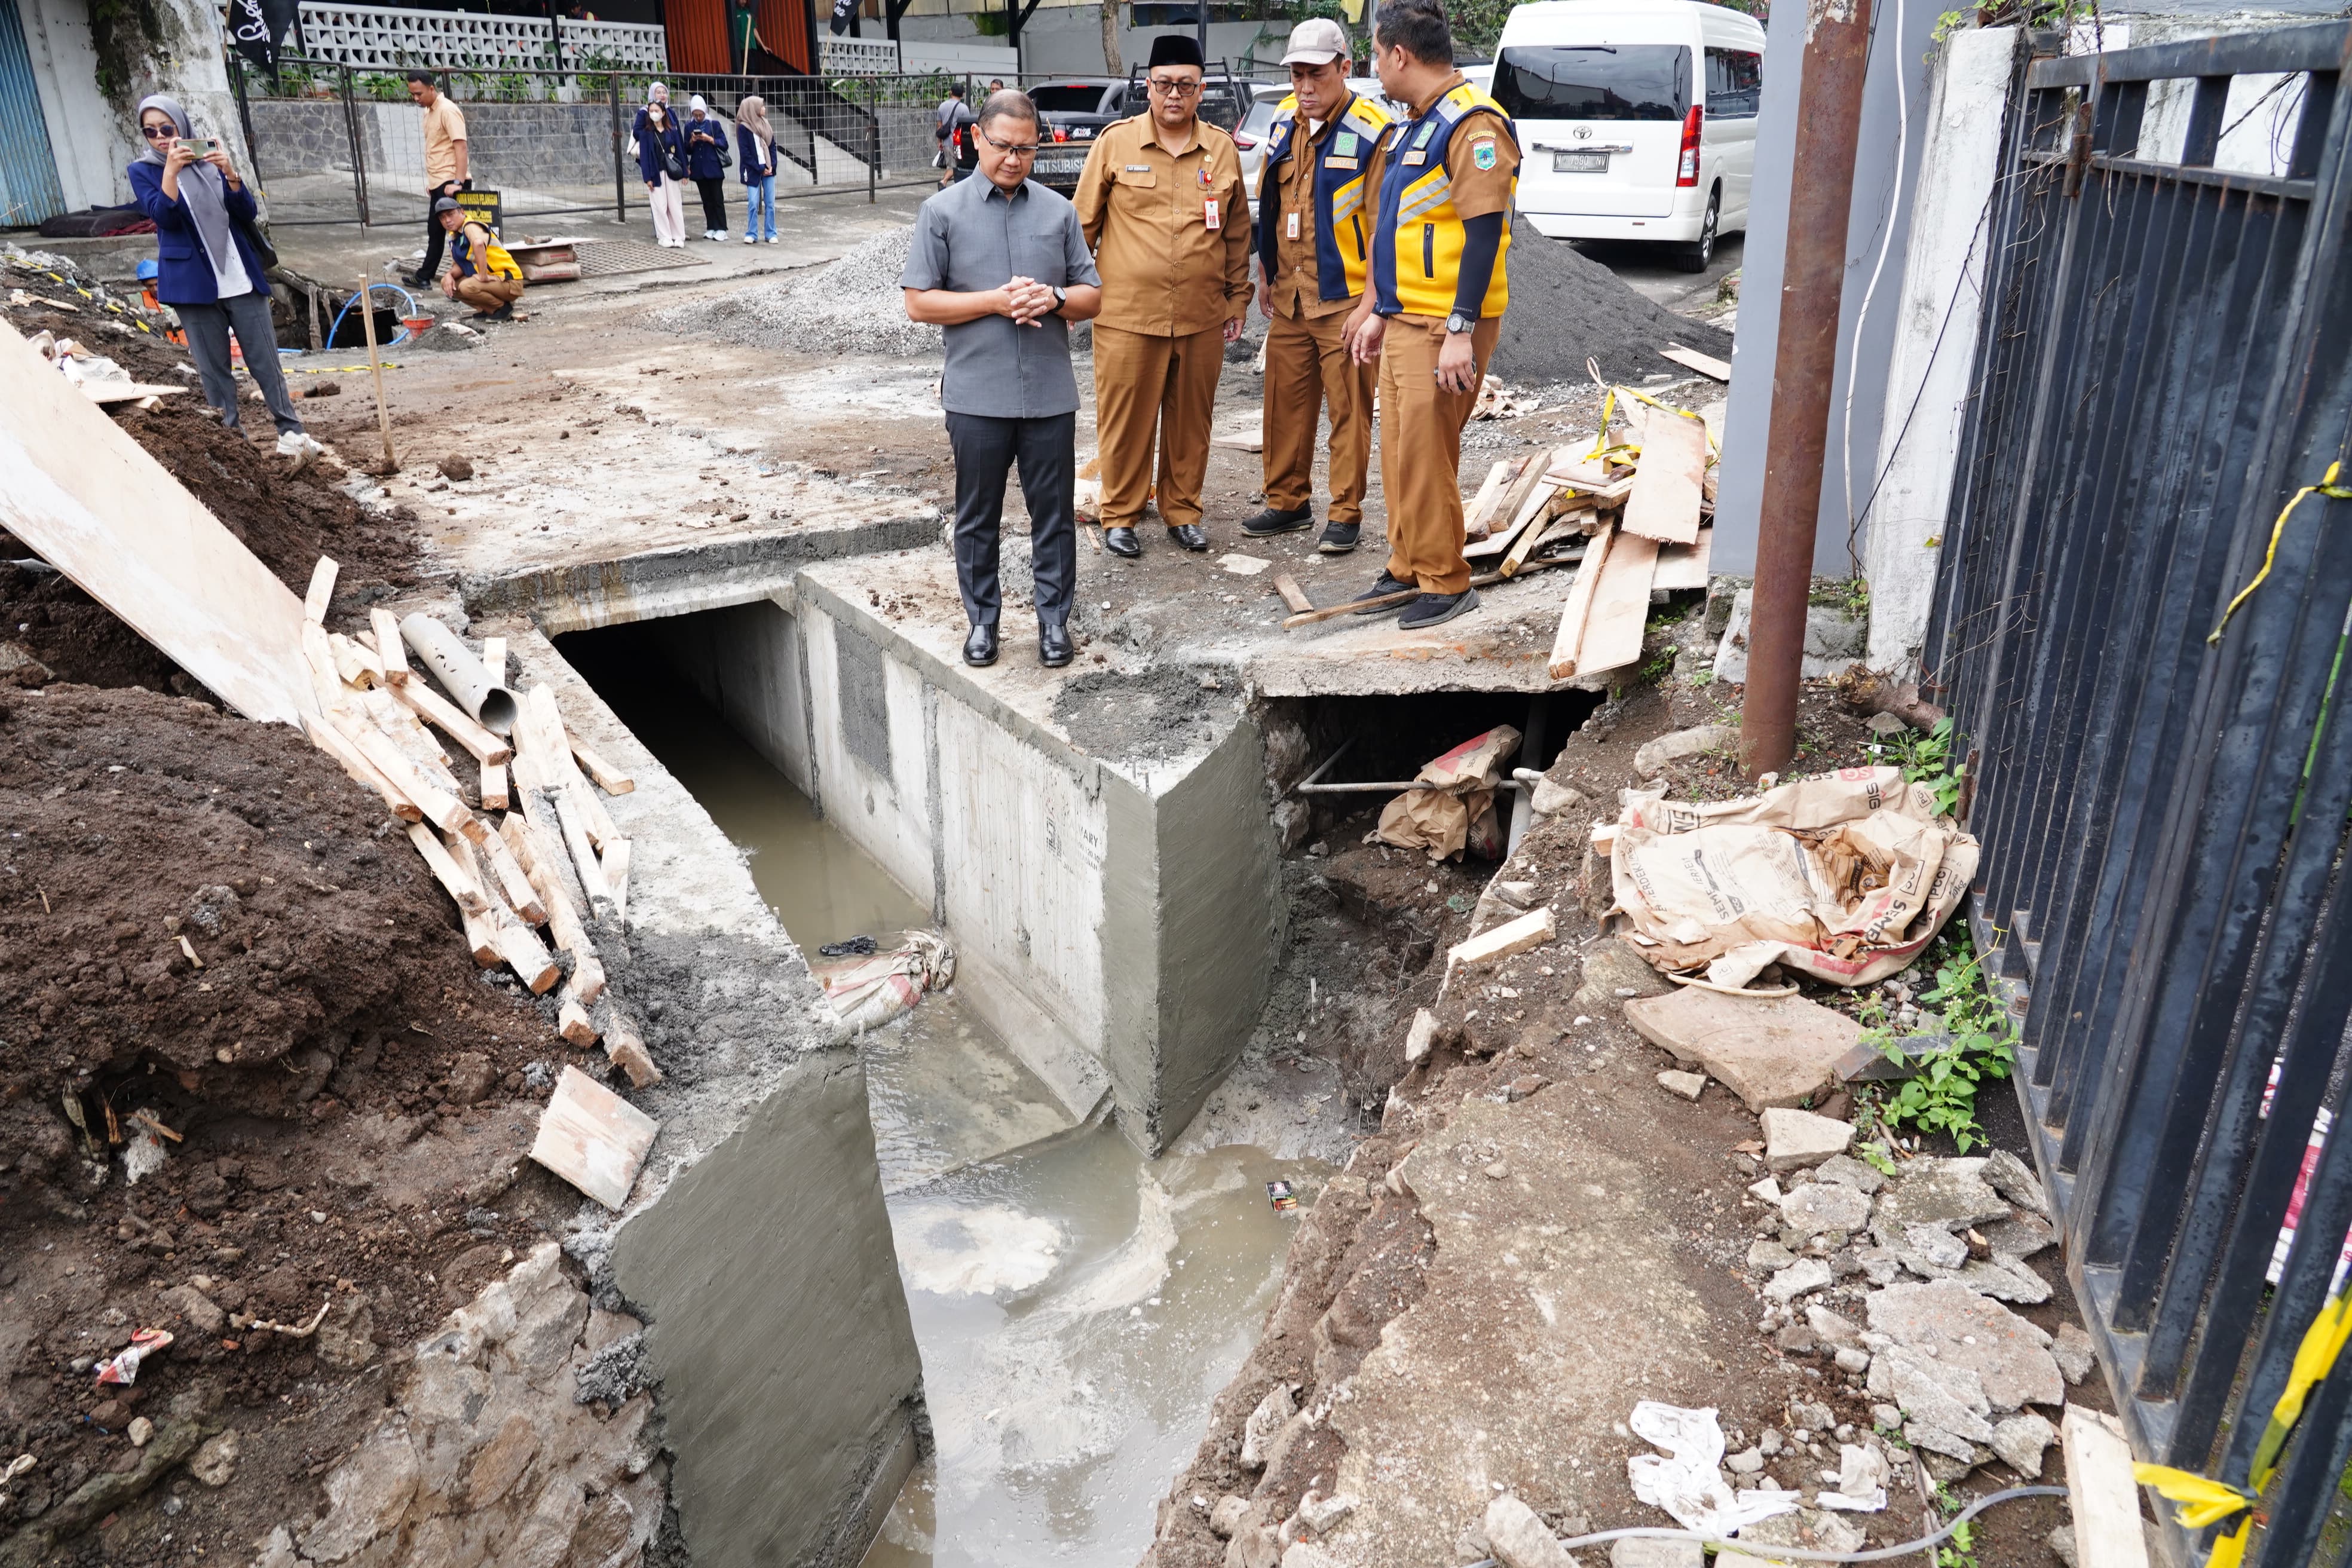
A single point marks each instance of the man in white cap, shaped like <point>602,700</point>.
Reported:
<point>1314,245</point>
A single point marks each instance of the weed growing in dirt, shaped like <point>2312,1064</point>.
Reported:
<point>1942,1097</point>
<point>1927,759</point>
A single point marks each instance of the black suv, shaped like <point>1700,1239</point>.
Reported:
<point>1072,112</point>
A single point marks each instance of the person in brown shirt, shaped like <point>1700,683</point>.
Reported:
<point>1314,246</point>
<point>1163,206</point>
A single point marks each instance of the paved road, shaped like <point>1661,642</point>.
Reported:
<point>1652,272</point>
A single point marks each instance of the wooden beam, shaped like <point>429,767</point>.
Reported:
<point>1691,359</point>
<point>1530,478</point>
<point>571,1021</point>
<point>388,649</point>
<point>1684,565</point>
<point>1294,597</point>
<point>1577,609</point>
<point>354,664</point>
<point>623,1048</point>
<point>322,591</point>
<point>332,742</point>
<point>609,779</point>
<point>494,787</point>
<point>512,882</point>
<point>494,660</point>
<point>615,867</point>
<point>564,923</point>
<point>457,879</point>
<point>443,810</point>
<point>1620,607</point>
<point>1664,501</point>
<point>593,1138</point>
<point>525,953</point>
<point>1477,516</point>
<point>481,939</point>
<point>430,704</point>
<point>2104,1499</point>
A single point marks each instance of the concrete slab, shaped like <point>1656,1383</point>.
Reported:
<point>1779,1051</point>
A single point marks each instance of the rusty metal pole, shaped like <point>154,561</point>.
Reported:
<point>1804,367</point>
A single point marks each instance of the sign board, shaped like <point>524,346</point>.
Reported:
<point>485,207</point>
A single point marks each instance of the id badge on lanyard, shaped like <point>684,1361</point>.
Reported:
<point>1208,212</point>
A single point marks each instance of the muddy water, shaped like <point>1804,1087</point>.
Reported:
<point>1077,1307</point>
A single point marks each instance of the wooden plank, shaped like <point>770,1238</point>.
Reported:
<point>544,721</point>
<point>323,590</point>
<point>494,660</point>
<point>481,939</point>
<point>1620,607</point>
<point>457,879</point>
<point>1251,438</point>
<point>538,861</point>
<point>1577,609</point>
<point>2104,1499</point>
<point>388,651</point>
<point>452,720</point>
<point>617,876</point>
<point>494,787</point>
<point>1664,505</point>
<point>332,742</point>
<point>512,882</point>
<point>1476,516</point>
<point>624,1049</point>
<point>1684,565</point>
<point>525,953</point>
<point>1496,542</point>
<point>593,1138</point>
<point>609,779</point>
<point>410,736</point>
<point>571,1021</point>
<point>327,692</point>
<point>1533,540</point>
<point>1515,497</point>
<point>354,664</point>
<point>1691,359</point>
<point>443,810</point>
<point>104,392</point>
<point>85,497</point>
<point>1531,929</point>
<point>1483,580</point>
<point>1293,595</point>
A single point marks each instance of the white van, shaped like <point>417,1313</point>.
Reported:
<point>1637,119</point>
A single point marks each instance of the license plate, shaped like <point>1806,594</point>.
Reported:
<point>1579,162</point>
<point>1060,165</point>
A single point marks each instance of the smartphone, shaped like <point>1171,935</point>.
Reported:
<point>200,146</point>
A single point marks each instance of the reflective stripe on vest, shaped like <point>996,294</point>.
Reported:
<point>1418,240</point>
<point>1340,268</point>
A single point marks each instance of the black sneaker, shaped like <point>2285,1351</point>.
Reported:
<point>1382,587</point>
<point>1339,538</point>
<point>1273,521</point>
<point>1436,609</point>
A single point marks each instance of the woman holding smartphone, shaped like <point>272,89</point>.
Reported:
<point>207,269</point>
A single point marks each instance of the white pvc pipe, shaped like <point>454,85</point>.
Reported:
<point>464,676</point>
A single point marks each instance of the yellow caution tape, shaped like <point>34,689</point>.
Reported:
<point>2327,487</point>
<point>2202,1501</point>
<point>1632,449</point>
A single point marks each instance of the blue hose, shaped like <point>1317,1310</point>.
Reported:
<point>406,298</point>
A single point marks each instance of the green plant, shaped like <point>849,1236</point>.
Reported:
<point>123,35</point>
<point>1960,1550</point>
<point>1942,1096</point>
<point>382,85</point>
<point>1927,759</point>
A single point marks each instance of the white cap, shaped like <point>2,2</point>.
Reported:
<point>1318,41</point>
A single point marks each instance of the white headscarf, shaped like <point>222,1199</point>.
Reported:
<point>207,195</point>
<point>656,92</point>
<point>694,104</point>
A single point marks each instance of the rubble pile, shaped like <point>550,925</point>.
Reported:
<point>1567,307</point>
<point>851,305</point>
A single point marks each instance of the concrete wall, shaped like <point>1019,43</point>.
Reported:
<point>89,141</point>
<point>745,660</point>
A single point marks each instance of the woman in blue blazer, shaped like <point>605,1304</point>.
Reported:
<point>661,146</point>
<point>706,147</point>
<point>207,269</point>
<point>755,156</point>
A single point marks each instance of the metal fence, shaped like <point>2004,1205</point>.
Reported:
<point>2163,805</point>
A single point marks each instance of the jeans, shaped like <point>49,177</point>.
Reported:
<point>759,196</point>
<point>208,328</point>
<point>714,203</point>
<point>986,449</point>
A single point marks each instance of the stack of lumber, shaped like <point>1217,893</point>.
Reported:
<point>532,860</point>
<point>1643,510</point>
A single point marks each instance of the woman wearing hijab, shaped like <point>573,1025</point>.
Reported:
<point>755,155</point>
<point>661,164</point>
<point>207,269</point>
<point>706,159</point>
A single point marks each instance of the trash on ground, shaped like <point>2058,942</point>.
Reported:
<point>870,989</point>
<point>1457,814</point>
<point>852,947</point>
<point>1862,1481</point>
<point>122,1367</point>
<point>1279,1195</point>
<point>1845,879</point>
<point>1686,1481</point>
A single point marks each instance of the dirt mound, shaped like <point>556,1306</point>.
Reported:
<point>1567,307</point>
<point>851,305</point>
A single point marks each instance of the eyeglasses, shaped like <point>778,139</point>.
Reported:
<point>1173,88</point>
<point>157,133</point>
<point>1018,149</point>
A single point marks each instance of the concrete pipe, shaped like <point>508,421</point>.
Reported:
<point>468,683</point>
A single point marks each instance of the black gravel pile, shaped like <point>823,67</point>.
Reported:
<point>1566,308</point>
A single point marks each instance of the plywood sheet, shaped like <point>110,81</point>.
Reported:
<point>1620,606</point>
<point>1665,501</point>
<point>1691,359</point>
<point>76,489</point>
<point>1578,610</point>
<point>1684,565</point>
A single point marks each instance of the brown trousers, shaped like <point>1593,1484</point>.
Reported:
<point>1145,383</point>
<point>1307,368</point>
<point>487,293</point>
<point>1421,450</point>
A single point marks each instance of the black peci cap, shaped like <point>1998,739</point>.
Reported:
<point>1174,50</point>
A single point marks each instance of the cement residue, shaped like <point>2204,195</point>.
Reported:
<point>1567,307</point>
<point>1172,710</point>
<point>852,305</point>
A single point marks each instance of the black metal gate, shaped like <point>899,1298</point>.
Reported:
<point>2166,361</point>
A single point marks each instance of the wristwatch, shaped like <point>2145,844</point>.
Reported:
<point>1061,297</point>
<point>1456,322</point>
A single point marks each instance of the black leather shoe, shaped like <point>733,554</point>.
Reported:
<point>1273,521</point>
<point>1191,535</point>
<point>980,645</point>
<point>1382,586</point>
<point>1339,538</point>
<point>1122,541</point>
<point>419,280</point>
<point>1054,648</point>
<point>1436,609</point>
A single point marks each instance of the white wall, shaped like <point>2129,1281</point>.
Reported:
<point>89,140</point>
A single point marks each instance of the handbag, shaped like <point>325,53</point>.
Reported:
<point>262,249</point>
<point>672,165</point>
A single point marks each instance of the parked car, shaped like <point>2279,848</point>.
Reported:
<point>1072,112</point>
<point>1637,117</point>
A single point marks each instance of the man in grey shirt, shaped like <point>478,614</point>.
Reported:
<point>1002,264</point>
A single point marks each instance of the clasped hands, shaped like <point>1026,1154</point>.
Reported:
<point>1025,300</point>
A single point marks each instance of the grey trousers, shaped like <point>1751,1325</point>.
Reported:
<point>208,327</point>
<point>986,449</point>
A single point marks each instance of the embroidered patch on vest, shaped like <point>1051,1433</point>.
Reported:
<point>1345,145</point>
<point>1483,154</point>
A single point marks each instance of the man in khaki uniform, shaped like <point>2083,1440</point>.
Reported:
<point>1314,247</point>
<point>1434,309</point>
<point>1164,210</point>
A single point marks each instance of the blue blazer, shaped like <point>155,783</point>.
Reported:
<point>649,162</point>
<point>184,274</point>
<point>702,157</point>
<point>746,157</point>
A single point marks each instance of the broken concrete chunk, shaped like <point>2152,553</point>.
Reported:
<point>1931,1438</point>
<point>1930,1249</point>
<point>1265,1423</point>
<point>1654,756</point>
<point>1746,1462</point>
<point>1879,1264</point>
<point>1849,1171</point>
<point>1611,969</point>
<point>197,1308</point>
<point>1812,1416</point>
<point>1767,1191</point>
<point>2020,1441</point>
<point>1947,1194</point>
<point>1818,1207</point>
<point>1795,1140</point>
<point>215,1463</point>
<point>1319,1513</point>
<point>1226,1517</point>
<point>1850,1358</point>
<point>1963,1329</point>
<point>1769,1257</point>
<point>1950,1399</point>
<point>2014,1240</point>
<point>1519,895</point>
<point>1775,1052</point>
<point>2004,1282</point>
<point>1689,1085</point>
<point>1417,1038</point>
<point>2013,1179</point>
<point>1804,1275</point>
<point>1307,1554</point>
<point>1806,1528</point>
<point>2071,1351</point>
<point>1551,799</point>
<point>1530,930</point>
<point>1833,1329</point>
<point>1518,1539</point>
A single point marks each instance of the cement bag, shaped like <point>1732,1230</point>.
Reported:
<point>870,989</point>
<point>1845,877</point>
<point>1459,814</point>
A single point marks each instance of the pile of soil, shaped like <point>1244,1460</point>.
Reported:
<point>1567,307</point>
<point>208,930</point>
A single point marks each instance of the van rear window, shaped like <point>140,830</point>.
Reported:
<point>1598,81</point>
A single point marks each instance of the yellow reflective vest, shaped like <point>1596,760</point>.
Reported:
<point>1343,227</point>
<point>1418,238</point>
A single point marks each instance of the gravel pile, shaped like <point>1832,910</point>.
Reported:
<point>1567,307</point>
<point>852,305</point>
